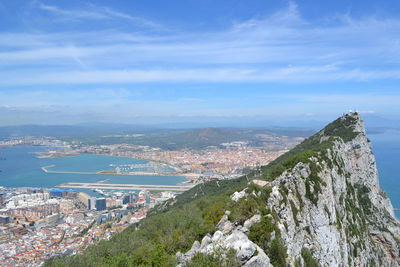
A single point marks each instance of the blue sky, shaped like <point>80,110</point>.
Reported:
<point>64,62</point>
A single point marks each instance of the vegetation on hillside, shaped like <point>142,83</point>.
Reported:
<point>174,227</point>
<point>218,259</point>
<point>342,128</point>
<point>174,139</point>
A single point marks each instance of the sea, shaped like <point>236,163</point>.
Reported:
<point>22,168</point>
<point>386,148</point>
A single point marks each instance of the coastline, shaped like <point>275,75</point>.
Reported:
<point>190,177</point>
<point>33,176</point>
<point>48,155</point>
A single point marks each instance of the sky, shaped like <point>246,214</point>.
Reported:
<point>151,62</point>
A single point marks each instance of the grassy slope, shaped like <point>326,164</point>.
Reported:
<point>173,228</point>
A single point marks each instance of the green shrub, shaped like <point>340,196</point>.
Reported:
<point>260,233</point>
<point>213,213</point>
<point>295,211</point>
<point>218,259</point>
<point>243,209</point>
<point>174,227</point>
<point>277,253</point>
<point>309,260</point>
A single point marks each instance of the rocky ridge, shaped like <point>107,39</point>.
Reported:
<point>324,207</point>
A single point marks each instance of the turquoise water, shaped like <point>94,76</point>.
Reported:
<point>22,169</point>
<point>386,148</point>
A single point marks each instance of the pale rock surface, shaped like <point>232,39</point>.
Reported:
<point>224,225</point>
<point>238,195</point>
<point>351,222</point>
<point>237,240</point>
<point>318,225</point>
<point>255,219</point>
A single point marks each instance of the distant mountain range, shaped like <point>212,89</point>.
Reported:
<point>181,135</point>
<point>317,205</point>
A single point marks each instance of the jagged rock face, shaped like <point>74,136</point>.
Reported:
<point>229,237</point>
<point>330,204</point>
<point>351,217</point>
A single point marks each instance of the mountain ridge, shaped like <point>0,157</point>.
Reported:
<point>318,205</point>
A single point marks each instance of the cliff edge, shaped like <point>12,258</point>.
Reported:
<point>321,201</point>
<point>320,204</point>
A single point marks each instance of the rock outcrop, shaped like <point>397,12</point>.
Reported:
<point>326,203</point>
<point>227,237</point>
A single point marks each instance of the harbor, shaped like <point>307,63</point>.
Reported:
<point>50,172</point>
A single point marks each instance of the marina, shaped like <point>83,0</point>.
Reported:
<point>86,168</point>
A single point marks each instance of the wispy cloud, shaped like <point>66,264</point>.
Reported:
<point>72,14</point>
<point>82,59</point>
<point>300,74</point>
<point>94,12</point>
<point>281,47</point>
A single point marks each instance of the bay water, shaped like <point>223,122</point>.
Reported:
<point>20,167</point>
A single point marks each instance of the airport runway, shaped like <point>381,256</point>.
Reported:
<point>179,188</point>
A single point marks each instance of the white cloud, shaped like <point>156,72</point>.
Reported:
<point>72,14</point>
<point>301,74</point>
<point>288,17</point>
<point>94,12</point>
<point>282,47</point>
<point>49,97</point>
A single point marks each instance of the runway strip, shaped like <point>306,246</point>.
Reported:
<point>179,188</point>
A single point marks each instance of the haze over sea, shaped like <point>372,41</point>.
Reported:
<point>22,169</point>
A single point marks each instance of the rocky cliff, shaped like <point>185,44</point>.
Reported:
<point>320,204</point>
<point>317,205</point>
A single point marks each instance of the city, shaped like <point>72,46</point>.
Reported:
<point>204,133</point>
<point>36,224</point>
<point>228,160</point>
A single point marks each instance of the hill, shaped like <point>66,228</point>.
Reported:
<point>164,138</point>
<point>317,205</point>
<point>176,139</point>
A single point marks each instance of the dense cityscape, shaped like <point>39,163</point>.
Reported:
<point>40,223</point>
<point>37,224</point>
<point>199,133</point>
<point>226,161</point>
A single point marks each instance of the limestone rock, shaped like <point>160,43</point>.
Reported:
<point>237,240</point>
<point>261,260</point>
<point>346,172</point>
<point>329,204</point>
<point>224,225</point>
<point>205,242</point>
<point>217,236</point>
<point>238,195</point>
<point>255,219</point>
<point>261,183</point>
